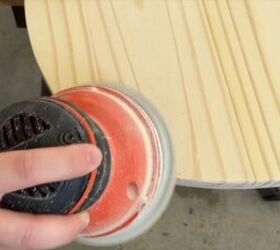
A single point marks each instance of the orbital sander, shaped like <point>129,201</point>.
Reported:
<point>135,180</point>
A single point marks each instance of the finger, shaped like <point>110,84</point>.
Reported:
<point>7,248</point>
<point>21,169</point>
<point>24,231</point>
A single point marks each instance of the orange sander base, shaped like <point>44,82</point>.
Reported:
<point>140,163</point>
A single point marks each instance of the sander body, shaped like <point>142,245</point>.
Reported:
<point>135,180</point>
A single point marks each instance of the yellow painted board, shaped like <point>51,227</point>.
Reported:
<point>210,67</point>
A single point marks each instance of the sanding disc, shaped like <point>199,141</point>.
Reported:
<point>142,178</point>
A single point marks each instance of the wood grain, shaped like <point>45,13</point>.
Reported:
<point>210,67</point>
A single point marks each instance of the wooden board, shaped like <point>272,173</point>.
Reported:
<point>210,67</point>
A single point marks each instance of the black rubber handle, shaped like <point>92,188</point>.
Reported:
<point>36,124</point>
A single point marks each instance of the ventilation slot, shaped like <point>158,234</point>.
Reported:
<point>21,128</point>
<point>42,191</point>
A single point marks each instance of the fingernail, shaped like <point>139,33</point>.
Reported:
<point>94,156</point>
<point>84,216</point>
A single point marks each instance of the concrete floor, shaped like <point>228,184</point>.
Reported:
<point>196,219</point>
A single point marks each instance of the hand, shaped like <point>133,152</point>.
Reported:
<point>21,169</point>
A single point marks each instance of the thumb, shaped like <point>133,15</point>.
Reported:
<point>26,231</point>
